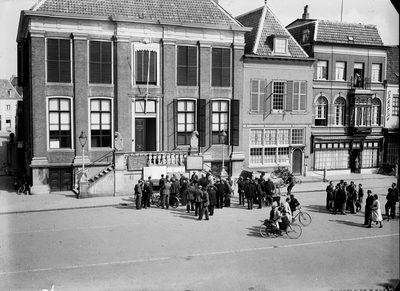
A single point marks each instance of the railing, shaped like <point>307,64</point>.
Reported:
<point>360,83</point>
<point>163,158</point>
<point>109,157</point>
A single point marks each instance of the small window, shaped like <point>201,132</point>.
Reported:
<point>322,70</point>
<point>280,45</point>
<point>8,107</point>
<point>305,34</point>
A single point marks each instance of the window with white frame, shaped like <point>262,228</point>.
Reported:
<point>280,45</point>
<point>8,107</point>
<point>341,71</point>
<point>369,155</point>
<point>340,111</point>
<point>331,156</point>
<point>322,70</point>
<point>272,146</point>
<point>395,105</point>
<point>186,120</point>
<point>299,95</point>
<point>376,73</point>
<point>376,112</point>
<point>59,123</point>
<point>100,123</point>
<point>219,121</point>
<point>257,95</point>
<point>321,111</point>
<point>278,95</point>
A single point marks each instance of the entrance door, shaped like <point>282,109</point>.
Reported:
<point>297,162</point>
<point>60,179</point>
<point>145,134</point>
<point>355,161</point>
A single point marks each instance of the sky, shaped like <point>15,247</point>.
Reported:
<point>378,12</point>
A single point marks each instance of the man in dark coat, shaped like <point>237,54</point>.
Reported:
<point>220,193</point>
<point>250,194</point>
<point>204,204</point>
<point>190,193</point>
<point>368,204</point>
<point>259,194</point>
<point>329,194</point>
<point>212,193</point>
<point>291,182</point>
<point>241,190</point>
<point>203,181</point>
<point>198,200</point>
<point>390,206</point>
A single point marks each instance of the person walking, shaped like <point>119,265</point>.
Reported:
<point>360,197</point>
<point>341,198</point>
<point>335,199</point>
<point>291,182</point>
<point>166,191</point>
<point>241,190</point>
<point>329,195</point>
<point>146,194</point>
<point>220,193</point>
<point>138,194</point>
<point>376,214</point>
<point>204,204</point>
<point>368,203</point>
<point>212,196</point>
<point>293,203</point>
<point>183,190</point>
<point>259,193</point>
<point>175,187</point>
<point>351,197</point>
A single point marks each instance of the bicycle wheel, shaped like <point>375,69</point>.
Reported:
<point>263,230</point>
<point>304,218</point>
<point>293,231</point>
<point>174,202</point>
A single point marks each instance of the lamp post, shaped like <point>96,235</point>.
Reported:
<point>83,182</point>
<point>83,140</point>
<point>224,174</point>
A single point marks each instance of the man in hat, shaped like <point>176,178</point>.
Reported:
<point>241,190</point>
<point>368,204</point>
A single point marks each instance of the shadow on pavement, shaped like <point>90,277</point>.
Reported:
<point>255,231</point>
<point>349,223</point>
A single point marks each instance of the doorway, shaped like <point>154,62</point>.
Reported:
<point>355,165</point>
<point>145,134</point>
<point>297,162</point>
<point>60,179</point>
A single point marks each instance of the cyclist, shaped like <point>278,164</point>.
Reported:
<point>293,203</point>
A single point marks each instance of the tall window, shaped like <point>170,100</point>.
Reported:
<point>278,95</point>
<point>257,95</point>
<point>100,62</point>
<point>395,105</point>
<point>340,111</point>
<point>376,74</point>
<point>221,67</point>
<point>376,112</point>
<point>272,146</point>
<point>341,71</point>
<point>59,123</point>
<point>359,75</point>
<point>299,95</point>
<point>187,66</point>
<point>322,70</point>
<point>100,123</point>
<point>186,120</point>
<point>146,67</point>
<point>321,111</point>
<point>219,120</point>
<point>369,156</point>
<point>58,60</point>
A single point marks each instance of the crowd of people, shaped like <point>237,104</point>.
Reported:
<point>205,194</point>
<point>350,197</point>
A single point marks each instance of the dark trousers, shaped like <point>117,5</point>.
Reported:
<point>220,200</point>
<point>146,201</point>
<point>390,208</point>
<point>352,207</point>
<point>335,206</point>
<point>184,201</point>
<point>211,209</point>
<point>197,208</point>
<point>367,215</point>
<point>260,200</point>
<point>138,201</point>
<point>289,189</point>
<point>203,210</point>
<point>241,198</point>
<point>190,205</point>
<point>250,202</point>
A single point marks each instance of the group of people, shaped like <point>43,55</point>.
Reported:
<point>349,197</point>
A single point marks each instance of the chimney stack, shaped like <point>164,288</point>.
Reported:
<point>305,14</point>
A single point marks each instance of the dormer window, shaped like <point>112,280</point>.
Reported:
<point>305,34</point>
<point>281,45</point>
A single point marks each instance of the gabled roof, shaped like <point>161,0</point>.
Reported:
<point>181,11</point>
<point>265,26</point>
<point>7,91</point>
<point>336,32</point>
<point>393,65</point>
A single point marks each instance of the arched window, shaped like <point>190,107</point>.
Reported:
<point>340,111</point>
<point>376,112</point>
<point>321,111</point>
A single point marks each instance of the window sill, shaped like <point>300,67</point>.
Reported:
<point>64,150</point>
<point>100,85</point>
<point>59,84</point>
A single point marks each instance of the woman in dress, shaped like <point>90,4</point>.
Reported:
<point>376,214</point>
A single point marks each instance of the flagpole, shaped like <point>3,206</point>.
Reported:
<point>341,13</point>
<point>147,89</point>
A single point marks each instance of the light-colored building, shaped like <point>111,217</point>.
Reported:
<point>139,76</point>
<point>277,96</point>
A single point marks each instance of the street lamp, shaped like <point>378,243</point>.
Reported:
<point>224,174</point>
<point>83,140</point>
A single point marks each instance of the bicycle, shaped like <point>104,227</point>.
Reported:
<point>156,200</point>
<point>280,172</point>
<point>268,229</point>
<point>303,217</point>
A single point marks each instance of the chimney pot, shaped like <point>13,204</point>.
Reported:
<point>305,14</point>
